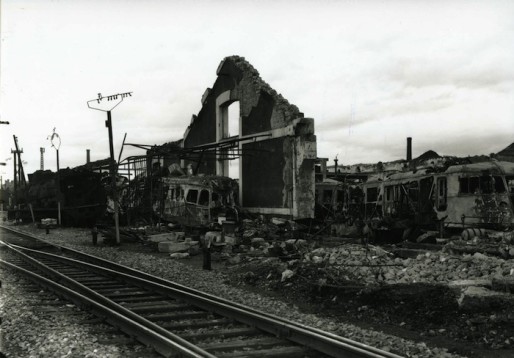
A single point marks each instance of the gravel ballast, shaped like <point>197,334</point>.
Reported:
<point>214,282</point>
<point>37,324</point>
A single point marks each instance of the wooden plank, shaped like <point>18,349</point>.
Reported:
<point>126,294</point>
<point>243,343</point>
<point>148,298</point>
<point>118,290</point>
<point>169,307</point>
<point>222,333</point>
<point>283,352</point>
<point>197,324</point>
<point>176,315</point>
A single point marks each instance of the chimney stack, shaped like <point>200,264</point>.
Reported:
<point>88,156</point>
<point>41,158</point>
<point>409,149</point>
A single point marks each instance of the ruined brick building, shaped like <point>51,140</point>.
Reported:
<point>272,140</point>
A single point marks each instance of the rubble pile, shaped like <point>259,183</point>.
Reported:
<point>373,265</point>
<point>495,243</point>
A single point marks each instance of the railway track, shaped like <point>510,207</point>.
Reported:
<point>175,320</point>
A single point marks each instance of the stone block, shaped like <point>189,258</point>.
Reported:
<point>49,222</point>
<point>467,283</point>
<point>179,255</point>
<point>230,240</point>
<point>173,236</point>
<point>278,221</point>
<point>480,298</point>
<point>258,241</point>
<point>214,236</point>
<point>172,247</point>
<point>459,286</point>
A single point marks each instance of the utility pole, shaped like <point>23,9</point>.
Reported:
<point>56,143</point>
<point>19,175</point>
<point>112,166</point>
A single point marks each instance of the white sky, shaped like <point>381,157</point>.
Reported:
<point>370,73</point>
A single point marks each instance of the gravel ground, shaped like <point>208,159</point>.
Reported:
<point>37,324</point>
<point>190,273</point>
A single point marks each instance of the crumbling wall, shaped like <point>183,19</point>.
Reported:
<point>277,143</point>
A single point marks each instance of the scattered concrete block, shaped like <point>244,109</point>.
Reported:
<point>481,298</point>
<point>467,283</point>
<point>459,286</point>
<point>504,284</point>
<point>214,236</point>
<point>161,237</point>
<point>171,247</point>
<point>257,241</point>
<point>427,238</point>
<point>168,236</point>
<point>49,221</point>
<point>234,260</point>
<point>287,274</point>
<point>278,221</point>
<point>293,244</point>
<point>230,240</point>
<point>179,255</point>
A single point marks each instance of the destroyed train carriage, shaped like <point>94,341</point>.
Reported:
<point>336,200</point>
<point>82,197</point>
<point>462,196</point>
<point>196,201</point>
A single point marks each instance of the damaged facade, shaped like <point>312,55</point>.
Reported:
<point>274,142</point>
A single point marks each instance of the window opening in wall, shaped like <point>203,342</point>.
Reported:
<point>233,130</point>
<point>233,119</point>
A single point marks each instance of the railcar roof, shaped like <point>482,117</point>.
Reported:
<point>494,167</point>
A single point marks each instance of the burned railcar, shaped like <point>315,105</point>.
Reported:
<point>77,195</point>
<point>337,200</point>
<point>462,196</point>
<point>196,201</point>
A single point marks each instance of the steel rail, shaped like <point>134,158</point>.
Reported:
<point>143,334</point>
<point>304,335</point>
<point>180,345</point>
<point>313,340</point>
<point>325,342</point>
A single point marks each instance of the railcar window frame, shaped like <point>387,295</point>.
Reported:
<point>442,193</point>
<point>203,198</point>
<point>190,194</point>
<point>372,192</point>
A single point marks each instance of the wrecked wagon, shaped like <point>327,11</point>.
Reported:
<point>462,196</point>
<point>196,201</point>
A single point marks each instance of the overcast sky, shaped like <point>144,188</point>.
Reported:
<point>370,73</point>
